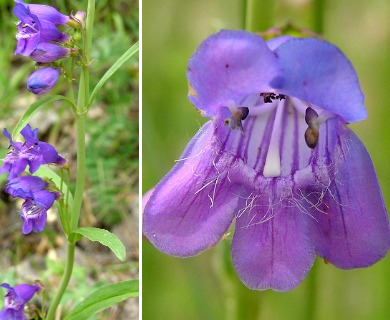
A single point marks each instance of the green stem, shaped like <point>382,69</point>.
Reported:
<point>259,15</point>
<point>80,182</point>
<point>226,281</point>
<point>311,296</point>
<point>82,106</point>
<point>70,82</point>
<point>82,101</point>
<point>64,282</point>
<point>318,16</point>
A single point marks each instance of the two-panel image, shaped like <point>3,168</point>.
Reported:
<point>194,159</point>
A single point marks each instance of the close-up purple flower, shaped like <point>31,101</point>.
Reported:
<point>15,299</point>
<point>49,52</point>
<point>37,201</point>
<point>37,23</point>
<point>277,158</point>
<point>32,152</point>
<point>43,80</point>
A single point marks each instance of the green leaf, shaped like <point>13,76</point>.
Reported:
<point>33,109</point>
<point>103,236</point>
<point>104,298</point>
<point>126,56</point>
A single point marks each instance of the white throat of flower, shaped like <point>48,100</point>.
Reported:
<point>312,115</point>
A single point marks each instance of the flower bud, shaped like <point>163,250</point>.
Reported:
<point>43,80</point>
<point>76,21</point>
<point>49,52</point>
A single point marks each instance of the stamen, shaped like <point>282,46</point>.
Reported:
<point>272,161</point>
<point>238,114</point>
<point>312,132</point>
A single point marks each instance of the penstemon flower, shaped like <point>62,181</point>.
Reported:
<point>15,299</point>
<point>32,152</point>
<point>37,201</point>
<point>43,80</point>
<point>39,38</point>
<point>37,23</point>
<point>49,52</point>
<point>278,158</point>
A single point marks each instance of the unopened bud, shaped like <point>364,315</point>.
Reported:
<point>77,21</point>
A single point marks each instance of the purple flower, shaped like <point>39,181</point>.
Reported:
<point>15,299</point>
<point>37,201</point>
<point>295,179</point>
<point>32,152</point>
<point>43,80</point>
<point>44,12</point>
<point>37,23</point>
<point>49,52</point>
<point>25,186</point>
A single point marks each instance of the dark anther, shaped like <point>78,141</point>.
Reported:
<point>312,132</point>
<point>244,112</point>
<point>311,137</point>
<point>310,115</point>
<point>226,66</point>
<point>270,96</point>
<point>238,115</point>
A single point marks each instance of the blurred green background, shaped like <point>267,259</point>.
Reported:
<point>206,287</point>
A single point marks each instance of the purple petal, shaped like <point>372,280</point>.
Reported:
<point>27,225</point>
<point>30,136</point>
<point>43,80</point>
<point>48,52</point>
<point>193,206</point>
<point>35,163</point>
<point>8,314</point>
<point>20,11</point>
<point>49,32</point>
<point>227,67</point>
<point>5,285</point>
<point>45,198</point>
<point>40,222</point>
<point>17,168</point>
<point>271,247</point>
<point>352,231</point>
<point>319,73</point>
<point>146,197</point>
<point>48,13</point>
<point>6,167</point>
<point>49,153</point>
<point>26,46</point>
<point>25,185</point>
<point>26,291</point>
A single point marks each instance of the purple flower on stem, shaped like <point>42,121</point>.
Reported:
<point>15,299</point>
<point>43,80</point>
<point>296,180</point>
<point>37,23</point>
<point>37,201</point>
<point>32,152</point>
<point>49,52</point>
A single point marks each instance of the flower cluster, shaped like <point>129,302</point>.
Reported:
<point>278,158</point>
<point>35,192</point>
<point>39,38</point>
<point>15,299</point>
